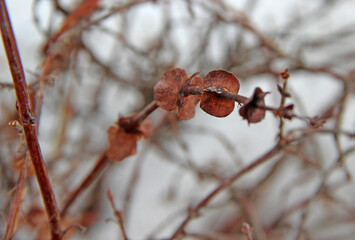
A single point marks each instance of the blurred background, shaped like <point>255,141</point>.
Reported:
<point>89,62</point>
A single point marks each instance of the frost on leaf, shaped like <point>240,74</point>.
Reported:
<point>187,105</point>
<point>213,104</point>
<point>251,110</point>
<point>166,92</point>
<point>123,143</point>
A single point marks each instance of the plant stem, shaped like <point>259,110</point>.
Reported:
<point>28,122</point>
<point>283,92</point>
<point>216,90</point>
<point>16,203</point>
<point>142,115</point>
<point>118,215</point>
<point>194,211</point>
<point>101,163</point>
<point>133,122</point>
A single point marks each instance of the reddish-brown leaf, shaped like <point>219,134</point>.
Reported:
<point>187,105</point>
<point>121,144</point>
<point>251,110</point>
<point>213,104</point>
<point>166,92</point>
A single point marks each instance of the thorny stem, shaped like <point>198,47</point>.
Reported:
<point>100,165</point>
<point>194,211</point>
<point>28,122</point>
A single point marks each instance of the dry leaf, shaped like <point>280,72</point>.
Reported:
<point>251,111</point>
<point>121,144</point>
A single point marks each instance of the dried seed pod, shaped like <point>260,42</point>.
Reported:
<point>251,110</point>
<point>187,105</point>
<point>166,92</point>
<point>123,143</point>
<point>214,104</point>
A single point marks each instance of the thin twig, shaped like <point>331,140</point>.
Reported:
<point>28,122</point>
<point>133,122</point>
<point>118,215</point>
<point>16,203</point>
<point>100,165</point>
<point>247,230</point>
<point>194,211</point>
<point>283,92</point>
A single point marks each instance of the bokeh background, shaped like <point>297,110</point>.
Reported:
<point>105,63</point>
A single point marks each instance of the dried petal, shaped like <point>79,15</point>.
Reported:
<point>251,111</point>
<point>166,92</point>
<point>213,104</point>
<point>187,105</point>
<point>121,144</point>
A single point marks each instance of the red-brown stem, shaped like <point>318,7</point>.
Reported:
<point>103,160</point>
<point>118,215</point>
<point>283,91</point>
<point>101,163</point>
<point>16,203</point>
<point>139,118</point>
<point>136,120</point>
<point>193,212</point>
<point>247,230</point>
<point>28,122</point>
<point>218,91</point>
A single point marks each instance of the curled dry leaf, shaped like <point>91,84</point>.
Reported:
<point>213,104</point>
<point>168,94</point>
<point>251,110</point>
<point>123,144</point>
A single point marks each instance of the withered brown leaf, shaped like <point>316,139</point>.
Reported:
<point>251,110</point>
<point>122,144</point>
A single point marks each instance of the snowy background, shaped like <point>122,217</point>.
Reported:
<point>131,50</point>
